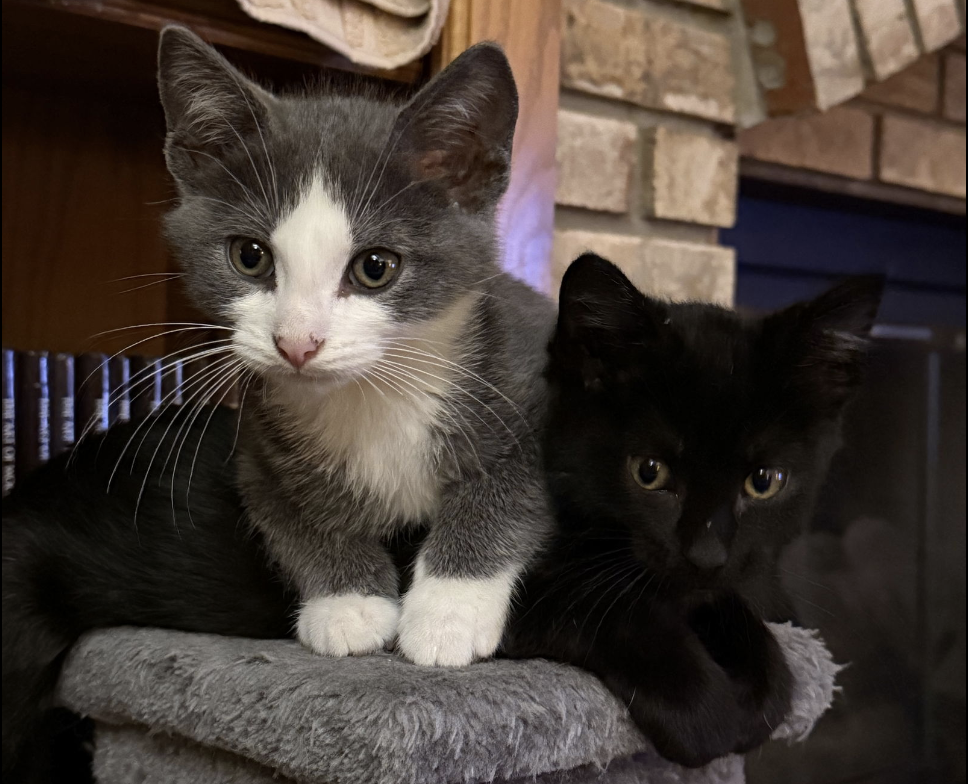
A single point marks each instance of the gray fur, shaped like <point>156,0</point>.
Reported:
<point>424,179</point>
<point>237,708</point>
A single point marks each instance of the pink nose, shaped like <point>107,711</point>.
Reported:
<point>298,352</point>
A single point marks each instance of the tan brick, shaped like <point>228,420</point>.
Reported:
<point>688,271</point>
<point>838,142</point>
<point>938,21</point>
<point>887,35</point>
<point>669,269</point>
<point>831,46</point>
<point>916,87</point>
<point>954,87</point>
<point>595,157</point>
<point>625,250</point>
<point>691,177</point>
<point>716,5</point>
<point>657,63</point>
<point>923,154</point>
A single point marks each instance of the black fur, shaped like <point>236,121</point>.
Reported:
<point>663,593</point>
<point>76,558</point>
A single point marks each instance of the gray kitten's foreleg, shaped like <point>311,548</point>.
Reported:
<point>485,534</point>
<point>348,586</point>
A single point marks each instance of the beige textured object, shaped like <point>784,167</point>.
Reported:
<point>373,33</point>
<point>887,35</point>
<point>939,22</point>
<point>916,87</point>
<point>954,87</point>
<point>831,50</point>
<point>669,269</point>
<point>838,141</point>
<point>626,54</point>
<point>923,154</point>
<point>595,156</point>
<point>688,271</point>
<point>692,177</point>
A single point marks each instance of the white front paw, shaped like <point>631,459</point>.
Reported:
<point>449,622</point>
<point>347,625</point>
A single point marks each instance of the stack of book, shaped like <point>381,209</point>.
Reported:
<point>51,400</point>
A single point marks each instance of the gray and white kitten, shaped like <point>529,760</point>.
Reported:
<point>349,244</point>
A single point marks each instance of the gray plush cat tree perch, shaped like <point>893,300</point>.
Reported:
<point>174,708</point>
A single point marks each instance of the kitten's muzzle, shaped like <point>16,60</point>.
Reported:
<point>299,351</point>
<point>707,553</point>
<point>706,545</point>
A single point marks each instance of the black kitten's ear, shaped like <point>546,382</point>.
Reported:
<point>830,337</point>
<point>458,129</point>
<point>209,106</point>
<point>600,312</point>
<point>848,309</point>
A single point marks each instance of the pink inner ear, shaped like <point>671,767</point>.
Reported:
<point>431,165</point>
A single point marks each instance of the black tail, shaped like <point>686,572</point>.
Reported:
<point>76,556</point>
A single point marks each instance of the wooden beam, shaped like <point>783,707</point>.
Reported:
<point>529,32</point>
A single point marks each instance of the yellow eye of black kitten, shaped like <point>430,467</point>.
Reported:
<point>651,474</point>
<point>765,483</point>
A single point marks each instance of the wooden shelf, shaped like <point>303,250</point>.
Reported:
<point>220,22</point>
<point>84,180</point>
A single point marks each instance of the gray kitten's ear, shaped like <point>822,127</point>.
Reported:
<point>209,106</point>
<point>458,130</point>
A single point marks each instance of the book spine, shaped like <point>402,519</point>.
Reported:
<point>33,412</point>
<point>172,382</point>
<point>91,393</point>
<point>193,379</point>
<point>119,373</point>
<point>145,386</point>
<point>61,377</point>
<point>9,420</point>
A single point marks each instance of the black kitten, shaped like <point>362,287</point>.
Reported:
<point>147,553</point>
<point>686,444</point>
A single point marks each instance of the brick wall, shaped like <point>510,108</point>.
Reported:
<point>647,164</point>
<point>654,93</point>
<point>908,130</point>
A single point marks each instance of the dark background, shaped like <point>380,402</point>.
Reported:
<point>881,570</point>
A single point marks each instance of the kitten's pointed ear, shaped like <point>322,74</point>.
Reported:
<point>458,130</point>
<point>827,338</point>
<point>600,312</point>
<point>209,106</point>
<point>849,308</point>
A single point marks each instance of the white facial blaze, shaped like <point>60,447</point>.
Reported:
<point>311,248</point>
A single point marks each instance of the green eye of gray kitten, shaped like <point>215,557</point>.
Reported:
<point>250,257</point>
<point>374,268</point>
<point>765,483</point>
<point>651,474</point>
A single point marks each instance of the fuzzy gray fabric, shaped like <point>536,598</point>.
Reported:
<point>179,708</point>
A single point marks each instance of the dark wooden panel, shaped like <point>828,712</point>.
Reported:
<point>218,21</point>
<point>82,179</point>
<point>529,32</point>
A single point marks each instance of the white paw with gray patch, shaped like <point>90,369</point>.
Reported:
<point>347,625</point>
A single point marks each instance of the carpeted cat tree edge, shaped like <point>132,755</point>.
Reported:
<point>177,708</point>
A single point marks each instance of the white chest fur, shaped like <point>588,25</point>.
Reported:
<point>380,432</point>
